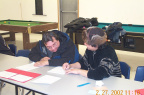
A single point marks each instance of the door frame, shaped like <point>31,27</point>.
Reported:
<point>58,4</point>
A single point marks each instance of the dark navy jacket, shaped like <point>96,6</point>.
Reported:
<point>67,52</point>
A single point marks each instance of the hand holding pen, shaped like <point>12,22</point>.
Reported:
<point>66,66</point>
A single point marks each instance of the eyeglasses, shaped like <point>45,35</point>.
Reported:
<point>53,46</point>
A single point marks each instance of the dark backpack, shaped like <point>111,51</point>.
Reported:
<point>114,31</point>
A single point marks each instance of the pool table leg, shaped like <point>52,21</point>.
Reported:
<point>26,41</point>
<point>12,36</point>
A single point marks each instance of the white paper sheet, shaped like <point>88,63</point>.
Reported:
<point>27,67</point>
<point>6,74</point>
<point>21,78</point>
<point>46,79</point>
<point>57,70</point>
<point>99,83</point>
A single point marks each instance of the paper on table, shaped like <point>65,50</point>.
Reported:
<point>18,75</point>
<point>6,74</point>
<point>46,79</point>
<point>27,67</point>
<point>57,70</point>
<point>21,75</point>
<point>21,78</point>
<point>99,83</point>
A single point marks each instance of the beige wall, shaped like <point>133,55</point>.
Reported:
<point>125,11</point>
<point>24,10</point>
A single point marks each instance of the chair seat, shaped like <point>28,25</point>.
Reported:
<point>24,53</point>
<point>125,69</point>
<point>139,76</point>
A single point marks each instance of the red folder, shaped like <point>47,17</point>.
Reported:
<point>25,73</point>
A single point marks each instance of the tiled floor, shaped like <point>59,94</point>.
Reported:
<point>133,59</point>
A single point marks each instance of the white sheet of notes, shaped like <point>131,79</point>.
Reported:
<point>21,78</point>
<point>57,70</point>
<point>46,79</point>
<point>27,67</point>
<point>6,74</point>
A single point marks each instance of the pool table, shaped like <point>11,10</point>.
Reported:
<point>26,27</point>
<point>132,41</point>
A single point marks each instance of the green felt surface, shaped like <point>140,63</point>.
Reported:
<point>21,23</point>
<point>131,28</point>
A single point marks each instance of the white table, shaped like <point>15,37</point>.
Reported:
<point>67,85</point>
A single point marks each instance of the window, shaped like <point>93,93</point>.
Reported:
<point>39,7</point>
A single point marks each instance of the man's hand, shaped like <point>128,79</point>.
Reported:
<point>66,66</point>
<point>77,71</point>
<point>41,63</point>
<point>45,58</point>
<point>73,71</point>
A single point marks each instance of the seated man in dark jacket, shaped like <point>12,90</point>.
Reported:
<point>99,61</point>
<point>4,48</point>
<point>55,49</point>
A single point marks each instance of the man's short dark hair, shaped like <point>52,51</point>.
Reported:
<point>47,36</point>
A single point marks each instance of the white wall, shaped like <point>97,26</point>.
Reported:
<point>125,11</point>
<point>24,10</point>
<point>10,9</point>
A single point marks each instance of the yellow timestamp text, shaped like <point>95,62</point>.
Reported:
<point>118,92</point>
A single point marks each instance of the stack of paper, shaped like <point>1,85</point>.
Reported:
<point>18,75</point>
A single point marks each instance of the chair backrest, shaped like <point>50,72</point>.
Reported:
<point>139,76</point>
<point>24,53</point>
<point>13,48</point>
<point>77,55</point>
<point>125,69</point>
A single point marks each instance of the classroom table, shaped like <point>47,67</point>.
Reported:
<point>132,41</point>
<point>26,27</point>
<point>67,85</point>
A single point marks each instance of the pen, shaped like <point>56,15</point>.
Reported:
<point>69,61</point>
<point>83,84</point>
<point>67,66</point>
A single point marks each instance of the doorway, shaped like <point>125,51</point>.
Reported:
<point>68,10</point>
